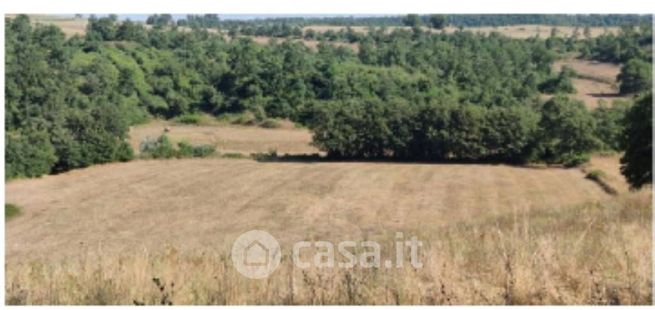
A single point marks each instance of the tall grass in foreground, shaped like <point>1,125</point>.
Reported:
<point>588,254</point>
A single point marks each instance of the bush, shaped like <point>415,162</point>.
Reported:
<point>636,76</point>
<point>162,148</point>
<point>574,160</point>
<point>158,148</point>
<point>189,119</point>
<point>560,83</point>
<point>187,150</point>
<point>566,133</point>
<point>28,154</point>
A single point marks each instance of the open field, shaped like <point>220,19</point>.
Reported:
<point>230,138</point>
<point>514,31</point>
<point>98,235</point>
<point>72,26</point>
<point>126,206</point>
<point>142,230</point>
<point>596,80</point>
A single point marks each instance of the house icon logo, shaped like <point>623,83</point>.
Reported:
<point>256,254</point>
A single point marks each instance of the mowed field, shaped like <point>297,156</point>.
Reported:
<point>205,203</point>
<point>493,234</point>
<point>596,81</point>
<point>244,140</point>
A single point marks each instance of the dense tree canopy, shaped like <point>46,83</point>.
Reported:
<point>402,95</point>
<point>636,76</point>
<point>637,162</point>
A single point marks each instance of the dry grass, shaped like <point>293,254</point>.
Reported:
<point>527,31</point>
<point>493,234</point>
<point>584,254</point>
<point>69,25</point>
<point>611,167</point>
<point>596,81</point>
<point>594,69</point>
<point>230,138</point>
<point>515,31</point>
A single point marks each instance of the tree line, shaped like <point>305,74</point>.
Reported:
<point>404,95</point>
<point>456,20</point>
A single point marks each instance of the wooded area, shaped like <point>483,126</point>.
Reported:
<point>404,95</point>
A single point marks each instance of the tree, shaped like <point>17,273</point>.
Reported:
<point>412,20</point>
<point>635,77</point>
<point>28,154</point>
<point>560,83</point>
<point>438,21</point>
<point>610,124</point>
<point>566,131</point>
<point>103,29</point>
<point>636,163</point>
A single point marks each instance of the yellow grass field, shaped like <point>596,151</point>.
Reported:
<point>229,138</point>
<point>494,234</point>
<point>597,81</point>
<point>514,31</point>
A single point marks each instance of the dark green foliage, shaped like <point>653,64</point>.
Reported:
<point>566,132</point>
<point>187,150</point>
<point>200,21</point>
<point>193,119</point>
<point>434,132</point>
<point>628,44</point>
<point>412,20</point>
<point>636,163</point>
<point>468,20</point>
<point>636,76</point>
<point>610,124</point>
<point>560,83</point>
<point>160,20</point>
<point>407,95</point>
<point>438,21</point>
<point>28,153</point>
<point>63,110</point>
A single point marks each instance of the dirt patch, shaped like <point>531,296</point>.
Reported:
<point>229,138</point>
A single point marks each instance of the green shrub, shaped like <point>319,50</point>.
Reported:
<point>28,154</point>
<point>203,150</point>
<point>162,148</point>
<point>189,119</point>
<point>187,150</point>
<point>574,160</point>
<point>11,211</point>
<point>124,152</point>
<point>158,148</point>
